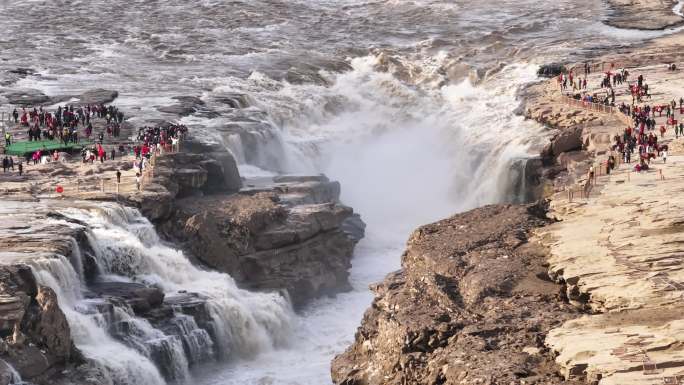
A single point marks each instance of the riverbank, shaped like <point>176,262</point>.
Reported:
<point>618,252</point>
<point>81,253</point>
<point>609,309</point>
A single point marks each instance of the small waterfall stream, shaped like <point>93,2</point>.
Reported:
<point>205,316</point>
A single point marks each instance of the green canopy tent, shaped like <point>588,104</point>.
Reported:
<point>25,148</point>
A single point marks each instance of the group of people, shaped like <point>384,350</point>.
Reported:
<point>159,139</point>
<point>8,164</point>
<point>98,152</point>
<point>63,124</point>
<point>642,136</point>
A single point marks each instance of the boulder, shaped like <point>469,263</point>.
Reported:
<point>187,105</point>
<point>139,297</point>
<point>27,97</point>
<point>229,176</point>
<point>98,96</point>
<point>233,100</point>
<point>52,329</point>
<point>551,70</point>
<point>23,72</point>
<point>569,140</point>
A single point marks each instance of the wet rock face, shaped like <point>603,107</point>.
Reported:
<point>27,97</point>
<point>471,305</point>
<point>551,70</point>
<point>187,105</point>
<point>292,235</point>
<point>36,338</point>
<point>98,96</point>
<point>642,14</point>
<point>139,297</point>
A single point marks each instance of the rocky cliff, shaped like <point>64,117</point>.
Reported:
<point>288,233</point>
<point>471,305</point>
<point>35,337</point>
<point>643,14</point>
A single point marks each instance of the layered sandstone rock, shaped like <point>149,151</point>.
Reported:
<point>619,255</point>
<point>292,235</point>
<point>643,14</point>
<point>471,305</point>
<point>36,338</point>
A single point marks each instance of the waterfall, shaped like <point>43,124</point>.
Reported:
<point>125,349</point>
<point>128,249</point>
<point>8,375</point>
<point>117,363</point>
<point>126,243</point>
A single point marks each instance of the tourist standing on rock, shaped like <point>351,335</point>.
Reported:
<point>137,181</point>
<point>11,163</point>
<point>118,176</point>
<point>8,139</point>
<point>5,164</point>
<point>15,115</point>
<point>113,154</point>
<point>100,153</point>
<point>21,168</point>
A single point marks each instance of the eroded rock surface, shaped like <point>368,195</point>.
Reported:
<point>292,235</point>
<point>643,14</point>
<point>471,305</point>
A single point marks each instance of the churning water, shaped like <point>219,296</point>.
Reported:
<point>410,104</point>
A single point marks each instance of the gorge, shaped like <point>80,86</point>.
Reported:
<point>246,259</point>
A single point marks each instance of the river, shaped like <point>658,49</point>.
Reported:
<point>409,104</point>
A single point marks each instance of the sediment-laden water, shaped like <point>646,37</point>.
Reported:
<point>410,104</point>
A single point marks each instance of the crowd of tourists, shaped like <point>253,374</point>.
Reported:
<point>641,137</point>
<point>64,125</point>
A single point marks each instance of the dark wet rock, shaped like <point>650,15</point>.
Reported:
<point>36,336</point>
<point>642,14</point>
<point>222,173</point>
<point>27,97</point>
<point>7,376</point>
<point>191,100</point>
<point>98,96</point>
<point>23,72</point>
<point>139,297</point>
<point>187,105</point>
<point>469,306</point>
<point>306,74</point>
<point>551,70</point>
<point>234,100</point>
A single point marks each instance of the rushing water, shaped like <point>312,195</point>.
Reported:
<point>127,350</point>
<point>410,104</point>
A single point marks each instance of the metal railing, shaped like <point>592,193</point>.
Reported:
<point>594,67</point>
<point>598,107</point>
